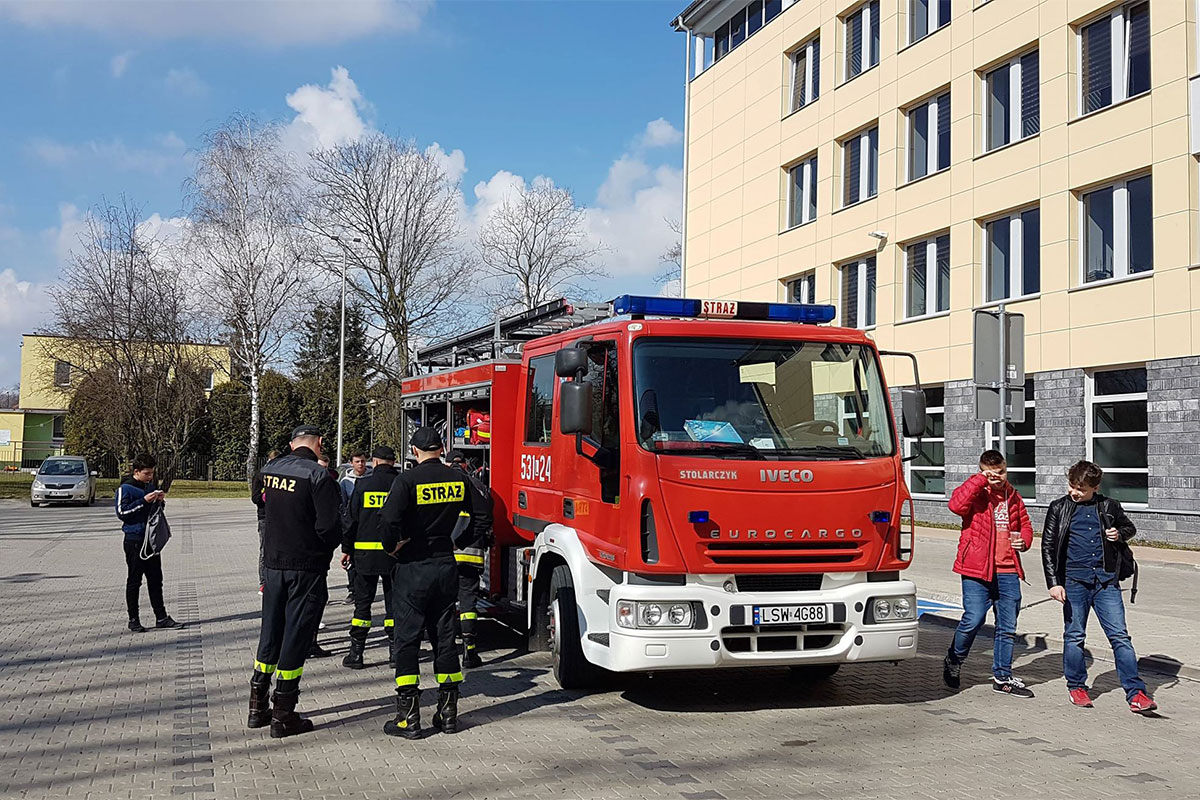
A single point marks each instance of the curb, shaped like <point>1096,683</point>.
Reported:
<point>1155,664</point>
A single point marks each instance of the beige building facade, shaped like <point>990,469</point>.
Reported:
<point>910,161</point>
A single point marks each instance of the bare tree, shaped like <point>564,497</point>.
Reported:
<point>670,278</point>
<point>122,317</point>
<point>248,244</point>
<point>409,269</point>
<point>536,245</point>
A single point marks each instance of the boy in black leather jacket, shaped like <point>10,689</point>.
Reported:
<point>1083,551</point>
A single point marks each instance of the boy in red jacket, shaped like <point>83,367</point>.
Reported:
<point>995,528</point>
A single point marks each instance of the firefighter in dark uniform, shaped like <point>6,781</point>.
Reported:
<point>303,528</point>
<point>420,517</point>
<point>468,556</point>
<point>362,547</point>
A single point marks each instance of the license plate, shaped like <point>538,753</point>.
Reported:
<point>790,615</point>
<point>59,494</point>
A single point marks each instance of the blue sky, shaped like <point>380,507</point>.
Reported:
<point>104,98</point>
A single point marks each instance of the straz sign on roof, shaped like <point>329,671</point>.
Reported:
<point>718,308</point>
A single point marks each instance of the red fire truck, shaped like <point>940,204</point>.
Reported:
<point>684,483</point>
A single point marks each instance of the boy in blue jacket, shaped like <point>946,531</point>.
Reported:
<point>136,498</point>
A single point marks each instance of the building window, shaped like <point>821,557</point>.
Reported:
<point>1019,446</point>
<point>862,39</point>
<point>806,74</point>
<point>802,192</point>
<point>1010,103</point>
<point>1012,265</point>
<point>860,166</point>
<point>858,293</point>
<point>925,17</point>
<point>927,471</point>
<point>539,405</point>
<point>1114,55</point>
<point>57,424</point>
<point>62,373</point>
<point>1117,438</point>
<point>746,22</point>
<point>929,137</point>
<point>927,276</point>
<point>1118,230</point>
<point>206,379</point>
<point>803,289</point>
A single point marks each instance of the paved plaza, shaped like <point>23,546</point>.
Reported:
<point>89,710</point>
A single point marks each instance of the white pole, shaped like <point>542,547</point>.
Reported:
<point>336,460</point>
<point>687,108</point>
<point>1003,427</point>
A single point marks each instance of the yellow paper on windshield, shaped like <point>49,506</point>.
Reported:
<point>758,373</point>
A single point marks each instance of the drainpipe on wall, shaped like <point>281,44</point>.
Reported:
<point>687,98</point>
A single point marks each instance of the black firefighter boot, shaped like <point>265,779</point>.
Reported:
<point>445,718</point>
<point>284,719</point>
<point>407,723</point>
<point>354,658</point>
<point>470,655</point>
<point>260,701</point>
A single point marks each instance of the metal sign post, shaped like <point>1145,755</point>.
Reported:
<point>999,370</point>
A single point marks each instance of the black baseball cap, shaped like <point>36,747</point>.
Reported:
<point>305,430</point>
<point>427,440</point>
<point>455,456</point>
<point>384,453</point>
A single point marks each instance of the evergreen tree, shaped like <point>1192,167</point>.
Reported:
<point>316,369</point>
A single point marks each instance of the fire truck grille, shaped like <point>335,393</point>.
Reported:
<point>781,638</point>
<point>809,582</point>
<point>839,552</point>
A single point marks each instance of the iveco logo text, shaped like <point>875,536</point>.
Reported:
<point>789,533</point>
<point>786,475</point>
<point>708,474</point>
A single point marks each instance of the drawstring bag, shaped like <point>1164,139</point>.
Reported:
<point>158,533</point>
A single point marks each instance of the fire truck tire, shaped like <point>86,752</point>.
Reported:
<point>571,667</point>
<point>812,673</point>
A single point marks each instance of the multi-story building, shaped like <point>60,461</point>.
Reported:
<point>35,429</point>
<point>910,161</point>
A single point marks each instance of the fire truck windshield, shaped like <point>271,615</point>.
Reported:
<point>733,398</point>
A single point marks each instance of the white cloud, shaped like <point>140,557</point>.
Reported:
<point>326,116</point>
<point>167,152</point>
<point>660,133</point>
<point>120,63</point>
<point>260,22</point>
<point>23,308</point>
<point>631,213</point>
<point>65,237</point>
<point>185,82</point>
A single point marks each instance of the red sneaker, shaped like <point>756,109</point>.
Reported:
<point>1141,703</point>
<point>1080,698</point>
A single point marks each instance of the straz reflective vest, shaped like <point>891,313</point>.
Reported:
<point>423,509</point>
<point>472,540</point>
<point>362,534</point>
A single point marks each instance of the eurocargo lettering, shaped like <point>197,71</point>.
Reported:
<point>685,484</point>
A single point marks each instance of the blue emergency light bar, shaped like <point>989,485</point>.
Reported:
<point>642,306</point>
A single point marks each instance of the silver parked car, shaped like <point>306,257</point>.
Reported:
<point>64,479</point>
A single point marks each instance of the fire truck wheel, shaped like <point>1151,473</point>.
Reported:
<point>811,673</point>
<point>571,667</point>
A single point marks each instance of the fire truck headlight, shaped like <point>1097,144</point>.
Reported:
<point>651,614</point>
<point>891,609</point>
<point>627,614</point>
<point>680,614</point>
<point>882,609</point>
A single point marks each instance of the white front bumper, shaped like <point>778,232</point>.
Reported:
<point>659,649</point>
<point>59,495</point>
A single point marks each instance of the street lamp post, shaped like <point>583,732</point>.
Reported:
<point>342,352</point>
<point>371,424</point>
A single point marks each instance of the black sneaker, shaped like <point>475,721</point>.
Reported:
<point>316,651</point>
<point>1012,686</point>
<point>349,601</point>
<point>167,622</point>
<point>950,673</point>
<point>135,625</point>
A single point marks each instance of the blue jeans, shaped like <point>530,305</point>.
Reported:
<point>1002,595</point>
<point>1105,598</point>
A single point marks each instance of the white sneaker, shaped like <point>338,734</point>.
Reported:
<point>321,626</point>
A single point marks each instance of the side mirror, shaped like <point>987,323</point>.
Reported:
<point>574,406</point>
<point>912,403</point>
<point>569,362</point>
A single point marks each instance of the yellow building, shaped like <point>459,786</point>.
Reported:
<point>48,381</point>
<point>909,161</point>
